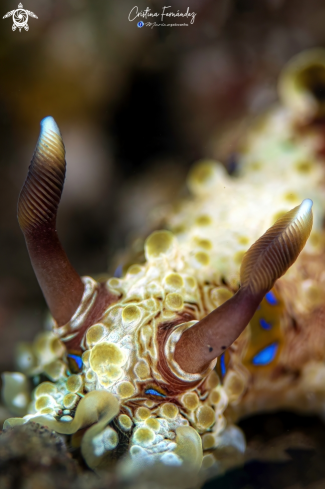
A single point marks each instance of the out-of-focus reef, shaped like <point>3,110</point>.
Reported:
<point>33,457</point>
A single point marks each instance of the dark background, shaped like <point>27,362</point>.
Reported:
<point>136,108</point>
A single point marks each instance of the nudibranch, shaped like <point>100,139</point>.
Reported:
<point>144,366</point>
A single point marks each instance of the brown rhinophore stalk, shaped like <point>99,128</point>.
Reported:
<point>37,208</point>
<point>266,261</point>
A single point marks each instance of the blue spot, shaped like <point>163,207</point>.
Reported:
<point>271,299</point>
<point>223,365</point>
<point>77,359</point>
<point>153,392</point>
<point>265,356</point>
<point>140,24</point>
<point>265,324</point>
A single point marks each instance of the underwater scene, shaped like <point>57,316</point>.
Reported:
<point>162,265</point>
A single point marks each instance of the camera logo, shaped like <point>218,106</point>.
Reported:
<point>20,18</point>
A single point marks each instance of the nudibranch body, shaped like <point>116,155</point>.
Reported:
<point>130,362</point>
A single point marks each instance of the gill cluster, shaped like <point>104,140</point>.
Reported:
<point>134,357</point>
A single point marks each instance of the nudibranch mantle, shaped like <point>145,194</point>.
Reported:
<point>116,364</point>
<point>120,354</point>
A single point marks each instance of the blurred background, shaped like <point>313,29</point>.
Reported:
<point>136,107</point>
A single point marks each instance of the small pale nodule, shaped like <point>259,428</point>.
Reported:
<point>208,461</point>
<point>114,283</point>
<point>45,388</point>
<point>169,410</point>
<point>219,295</point>
<point>134,270</point>
<point>70,401</point>
<point>125,389</point>
<point>243,240</point>
<point>204,175</point>
<point>142,413</point>
<point>48,410</point>
<point>44,402</point>
<point>205,417</point>
<point>104,355</point>
<point>110,438</point>
<point>104,441</point>
<point>202,172</point>
<point>174,282</point>
<point>25,356</point>
<point>55,370</point>
<point>205,244</point>
<point>153,423</point>
<point>90,376</point>
<point>142,370</point>
<point>239,256</point>
<point>215,396</point>
<point>131,314</point>
<point>85,358</point>
<point>74,383</point>
<point>213,380</point>
<point>208,441</point>
<point>125,422</point>
<point>170,458</point>
<point>190,400</point>
<point>234,386</point>
<point>203,220</point>
<point>190,282</point>
<point>66,419</point>
<point>110,375</point>
<point>159,244</point>
<point>174,301</point>
<point>201,259</point>
<point>144,436</point>
<point>95,333</point>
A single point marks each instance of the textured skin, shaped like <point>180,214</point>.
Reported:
<point>189,270</point>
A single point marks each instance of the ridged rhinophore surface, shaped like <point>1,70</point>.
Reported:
<point>41,193</point>
<point>277,249</point>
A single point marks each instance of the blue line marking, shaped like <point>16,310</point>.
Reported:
<point>153,392</point>
<point>265,324</point>
<point>266,356</point>
<point>77,359</point>
<point>271,299</point>
<point>223,365</point>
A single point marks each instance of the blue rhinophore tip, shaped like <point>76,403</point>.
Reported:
<point>48,124</point>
